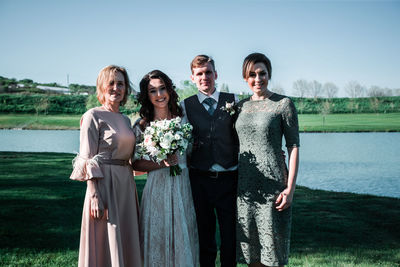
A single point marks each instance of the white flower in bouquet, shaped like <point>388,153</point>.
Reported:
<point>151,131</point>
<point>153,151</point>
<point>178,135</point>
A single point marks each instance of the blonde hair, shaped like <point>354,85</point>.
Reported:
<point>200,61</point>
<point>105,75</point>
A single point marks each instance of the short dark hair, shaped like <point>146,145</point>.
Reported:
<point>147,109</point>
<point>255,58</point>
<point>201,60</point>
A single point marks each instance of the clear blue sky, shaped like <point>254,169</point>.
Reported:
<point>334,41</point>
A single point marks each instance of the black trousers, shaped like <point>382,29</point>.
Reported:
<point>215,196</point>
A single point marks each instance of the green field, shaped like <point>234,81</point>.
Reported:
<point>383,122</point>
<point>364,122</point>
<point>41,122</point>
<point>41,215</point>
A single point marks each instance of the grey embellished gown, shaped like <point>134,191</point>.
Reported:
<point>263,233</point>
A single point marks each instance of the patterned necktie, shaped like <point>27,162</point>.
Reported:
<point>210,103</point>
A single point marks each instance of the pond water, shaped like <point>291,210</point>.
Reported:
<point>351,162</point>
<point>39,140</point>
<point>347,162</point>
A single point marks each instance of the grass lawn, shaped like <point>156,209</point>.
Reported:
<point>41,122</point>
<point>41,216</point>
<point>388,122</point>
<point>382,122</point>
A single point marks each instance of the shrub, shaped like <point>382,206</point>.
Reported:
<point>55,104</point>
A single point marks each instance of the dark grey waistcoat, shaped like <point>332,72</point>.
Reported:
<point>215,138</point>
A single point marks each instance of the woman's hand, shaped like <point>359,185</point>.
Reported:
<point>148,165</point>
<point>284,200</point>
<point>96,207</point>
<point>171,160</point>
<point>96,203</point>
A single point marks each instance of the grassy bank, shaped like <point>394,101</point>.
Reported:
<point>380,122</point>
<point>41,122</point>
<point>384,122</point>
<point>41,214</point>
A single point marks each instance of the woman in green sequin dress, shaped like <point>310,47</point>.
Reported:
<point>265,186</point>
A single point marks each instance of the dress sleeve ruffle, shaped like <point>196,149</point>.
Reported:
<point>85,169</point>
<point>86,163</point>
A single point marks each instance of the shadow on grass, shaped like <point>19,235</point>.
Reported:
<point>42,208</point>
<point>332,223</point>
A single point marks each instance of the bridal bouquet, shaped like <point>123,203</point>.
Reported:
<point>164,138</point>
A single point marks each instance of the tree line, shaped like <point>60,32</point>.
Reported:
<point>310,98</point>
<point>78,104</point>
<point>56,104</point>
<point>353,89</point>
<point>300,88</point>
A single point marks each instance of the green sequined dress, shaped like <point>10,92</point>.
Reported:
<point>263,233</point>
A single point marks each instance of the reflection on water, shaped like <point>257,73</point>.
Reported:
<point>351,162</point>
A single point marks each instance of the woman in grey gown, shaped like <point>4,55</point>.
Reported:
<point>265,186</point>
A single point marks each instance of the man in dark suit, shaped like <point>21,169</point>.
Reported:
<point>213,163</point>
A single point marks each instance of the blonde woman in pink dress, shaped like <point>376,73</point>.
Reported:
<point>110,220</point>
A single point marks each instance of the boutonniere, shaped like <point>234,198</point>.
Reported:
<point>229,108</point>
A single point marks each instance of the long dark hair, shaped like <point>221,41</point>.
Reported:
<point>147,109</point>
